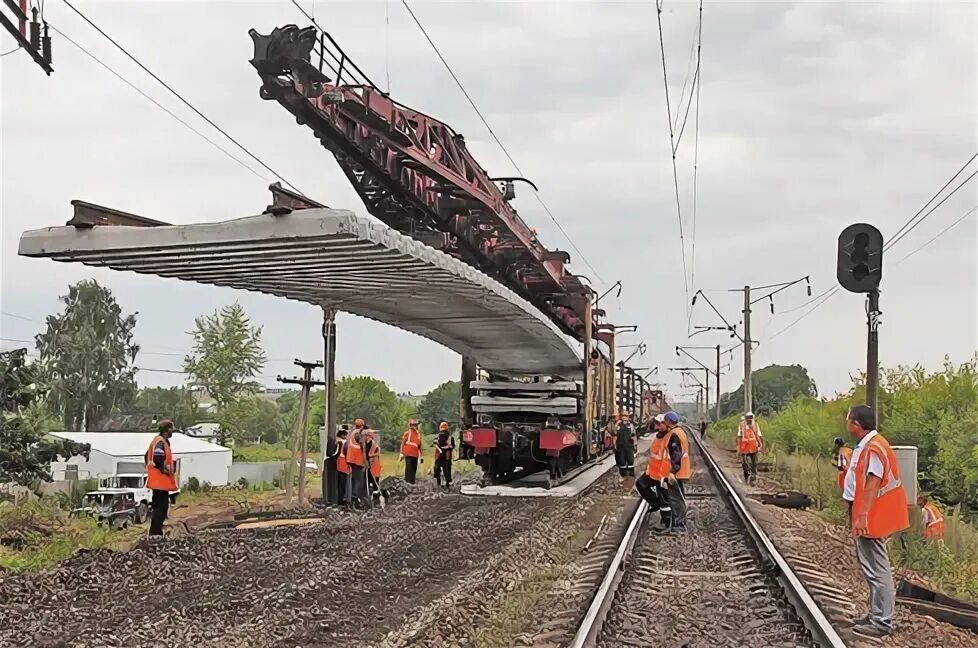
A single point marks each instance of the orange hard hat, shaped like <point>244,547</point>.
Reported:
<point>443,426</point>
<point>359,422</point>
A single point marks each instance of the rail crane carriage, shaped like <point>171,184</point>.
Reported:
<point>415,174</point>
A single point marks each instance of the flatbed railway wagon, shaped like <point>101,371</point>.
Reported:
<point>523,425</point>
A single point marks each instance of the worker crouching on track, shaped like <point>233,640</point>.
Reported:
<point>659,486</point>
<point>878,510</point>
<point>749,444</point>
<point>411,451</point>
<point>843,457</point>
<point>356,459</point>
<point>625,446</point>
<point>444,446</point>
<point>160,477</point>
<point>933,519</point>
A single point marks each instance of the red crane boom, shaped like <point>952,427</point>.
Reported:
<point>414,172</point>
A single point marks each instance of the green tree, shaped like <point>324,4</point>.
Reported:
<point>367,398</point>
<point>175,403</point>
<point>88,355</point>
<point>25,451</point>
<point>227,355</point>
<point>252,420</point>
<point>774,388</point>
<point>440,404</point>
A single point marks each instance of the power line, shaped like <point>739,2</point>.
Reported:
<point>458,82</point>
<point>938,235</point>
<point>11,51</point>
<point>179,96</point>
<point>893,241</point>
<point>675,172</point>
<point>155,102</point>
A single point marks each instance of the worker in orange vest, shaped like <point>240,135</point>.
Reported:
<point>342,467</point>
<point>685,467</point>
<point>160,477</point>
<point>625,445</point>
<point>372,449</point>
<point>411,451</point>
<point>933,519</point>
<point>659,486</point>
<point>843,457</point>
<point>749,444</point>
<point>356,459</point>
<point>877,509</point>
<point>444,445</point>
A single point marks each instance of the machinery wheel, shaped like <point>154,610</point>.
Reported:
<point>141,512</point>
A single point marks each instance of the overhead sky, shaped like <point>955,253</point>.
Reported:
<point>813,115</point>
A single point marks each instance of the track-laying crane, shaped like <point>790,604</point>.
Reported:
<point>415,174</point>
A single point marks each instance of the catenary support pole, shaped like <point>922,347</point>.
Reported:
<point>327,443</point>
<point>748,387</point>
<point>718,384</point>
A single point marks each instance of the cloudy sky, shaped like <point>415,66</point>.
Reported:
<point>813,115</point>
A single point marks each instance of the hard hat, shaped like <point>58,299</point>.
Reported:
<point>749,415</point>
<point>671,417</point>
<point>839,441</point>
<point>659,418</point>
<point>413,422</point>
<point>443,426</point>
<point>359,422</point>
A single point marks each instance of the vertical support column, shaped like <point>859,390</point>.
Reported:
<point>706,395</point>
<point>873,353</point>
<point>612,391</point>
<point>330,492</point>
<point>469,373</point>
<point>718,384</point>
<point>588,404</point>
<point>748,387</point>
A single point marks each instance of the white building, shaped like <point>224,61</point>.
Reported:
<point>122,452</point>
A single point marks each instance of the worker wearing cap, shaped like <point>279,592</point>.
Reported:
<point>659,486</point>
<point>161,477</point>
<point>625,446</point>
<point>749,444</point>
<point>356,458</point>
<point>843,457</point>
<point>444,445</point>
<point>411,451</point>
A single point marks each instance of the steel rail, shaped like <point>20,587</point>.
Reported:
<point>805,607</point>
<point>807,610</point>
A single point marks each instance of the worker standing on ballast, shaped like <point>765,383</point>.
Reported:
<point>685,471</point>
<point>843,457</point>
<point>374,468</point>
<point>749,444</point>
<point>659,486</point>
<point>444,446</point>
<point>411,451</point>
<point>160,477</point>
<point>356,458</point>
<point>342,467</point>
<point>625,446</point>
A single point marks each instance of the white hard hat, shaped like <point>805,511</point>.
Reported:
<point>751,414</point>
<point>659,418</point>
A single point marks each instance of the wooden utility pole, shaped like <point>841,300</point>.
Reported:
<point>300,436</point>
<point>748,386</point>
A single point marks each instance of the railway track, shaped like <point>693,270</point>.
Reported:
<point>722,583</point>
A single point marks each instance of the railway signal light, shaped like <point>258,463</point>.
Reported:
<point>860,259</point>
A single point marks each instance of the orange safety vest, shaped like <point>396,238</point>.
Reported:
<point>685,467</point>
<point>373,459</point>
<point>155,479</point>
<point>935,527</point>
<point>660,464</point>
<point>748,443</point>
<point>354,451</point>
<point>411,443</point>
<point>889,512</point>
<point>844,459</point>
<point>341,465</point>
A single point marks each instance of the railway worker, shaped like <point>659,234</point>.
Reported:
<point>843,457</point>
<point>372,449</point>
<point>625,446</point>
<point>342,467</point>
<point>160,477</point>
<point>356,459</point>
<point>411,451</point>
<point>878,509</point>
<point>686,467</point>
<point>444,445</point>
<point>933,520</point>
<point>749,444</point>
<point>659,486</point>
